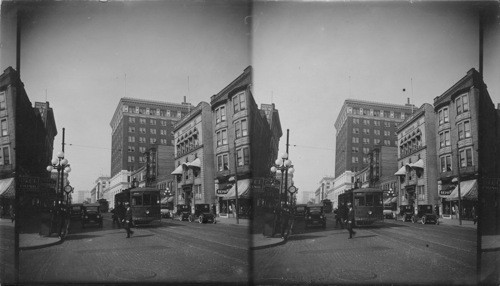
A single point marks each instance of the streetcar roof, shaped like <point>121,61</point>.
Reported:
<point>139,189</point>
<point>366,190</point>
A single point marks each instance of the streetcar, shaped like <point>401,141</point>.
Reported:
<point>104,205</point>
<point>367,204</point>
<point>144,203</point>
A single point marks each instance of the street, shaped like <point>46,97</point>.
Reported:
<point>7,251</point>
<point>173,252</point>
<point>390,252</point>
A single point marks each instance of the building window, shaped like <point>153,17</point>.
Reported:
<point>179,114</point>
<point>152,131</point>
<point>421,193</point>
<point>222,162</point>
<point>366,140</point>
<point>142,130</point>
<point>376,141</point>
<point>354,150</point>
<point>131,139</point>
<point>387,142</point>
<point>142,120</point>
<point>366,131</point>
<point>142,139</point>
<point>239,102</point>
<point>131,159</point>
<point>152,140</point>
<point>163,123</point>
<point>131,119</point>
<point>366,121</point>
<point>387,124</point>
<point>464,130</point>
<point>366,160</point>
<point>163,132</point>
<point>444,139</point>
<point>243,156</point>
<point>376,132</point>
<point>444,116</point>
<point>5,156</point>
<point>462,103</point>
<point>355,160</point>
<point>152,121</point>
<point>355,140</point>
<point>222,137</point>
<point>366,150</point>
<point>4,126</point>
<point>466,157</point>
<point>168,113</point>
<point>220,114</point>
<point>376,122</point>
<point>131,148</point>
<point>131,129</point>
<point>142,149</point>
<point>355,130</point>
<point>387,133</point>
<point>355,120</point>
<point>241,128</point>
<point>445,163</point>
<point>163,141</point>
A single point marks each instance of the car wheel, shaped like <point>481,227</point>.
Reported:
<point>404,217</point>
<point>200,219</point>
<point>423,220</point>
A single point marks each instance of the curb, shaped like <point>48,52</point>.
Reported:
<point>269,245</point>
<point>41,245</point>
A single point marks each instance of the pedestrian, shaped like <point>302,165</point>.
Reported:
<point>474,216</point>
<point>12,213</point>
<point>343,215</point>
<point>120,212</point>
<point>285,217</point>
<point>64,222</point>
<point>338,216</point>
<point>350,221</point>
<point>128,219</point>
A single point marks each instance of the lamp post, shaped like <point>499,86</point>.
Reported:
<point>62,166</point>
<point>285,167</point>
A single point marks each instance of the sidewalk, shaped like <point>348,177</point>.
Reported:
<point>29,237</point>
<point>455,222</point>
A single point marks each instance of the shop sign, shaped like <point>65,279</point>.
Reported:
<point>445,192</point>
<point>222,191</point>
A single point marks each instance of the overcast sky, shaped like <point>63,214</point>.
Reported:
<point>310,57</point>
<point>307,58</point>
<point>83,57</point>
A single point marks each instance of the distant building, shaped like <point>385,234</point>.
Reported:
<point>101,184</point>
<point>379,173</point>
<point>306,197</point>
<point>194,160</point>
<point>326,188</point>
<point>362,126</point>
<point>417,164</point>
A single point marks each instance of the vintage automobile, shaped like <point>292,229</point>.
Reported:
<point>425,214</point>
<point>183,212</point>
<point>165,212</point>
<point>406,212</point>
<point>76,211</point>
<point>202,214</point>
<point>91,214</point>
<point>315,216</point>
<point>388,213</point>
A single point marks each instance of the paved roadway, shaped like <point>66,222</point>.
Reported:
<point>7,251</point>
<point>173,252</point>
<point>390,252</point>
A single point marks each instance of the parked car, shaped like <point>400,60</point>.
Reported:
<point>183,212</point>
<point>76,211</point>
<point>406,212</point>
<point>91,214</point>
<point>388,213</point>
<point>425,214</point>
<point>202,214</point>
<point>315,216</point>
<point>165,212</point>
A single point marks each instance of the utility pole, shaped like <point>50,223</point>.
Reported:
<point>459,194</point>
<point>236,181</point>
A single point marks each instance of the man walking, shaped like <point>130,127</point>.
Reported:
<point>128,220</point>
<point>350,220</point>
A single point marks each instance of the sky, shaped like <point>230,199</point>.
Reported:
<point>310,57</point>
<point>82,57</point>
<point>307,57</point>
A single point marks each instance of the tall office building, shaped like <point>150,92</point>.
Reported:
<point>361,126</point>
<point>139,124</point>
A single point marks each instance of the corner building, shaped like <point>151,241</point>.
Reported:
<point>246,142</point>
<point>361,126</point>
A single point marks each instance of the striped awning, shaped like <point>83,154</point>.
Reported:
<point>243,190</point>
<point>177,171</point>
<point>401,171</point>
<point>468,191</point>
<point>195,163</point>
<point>418,164</point>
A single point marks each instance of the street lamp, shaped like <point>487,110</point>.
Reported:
<point>62,166</point>
<point>284,165</point>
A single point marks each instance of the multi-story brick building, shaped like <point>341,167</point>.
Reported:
<point>194,160</point>
<point>458,114</point>
<point>138,125</point>
<point>379,172</point>
<point>417,163</point>
<point>361,126</point>
<point>245,141</point>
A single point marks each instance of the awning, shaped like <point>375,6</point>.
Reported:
<point>177,171</point>
<point>7,189</point>
<point>166,200</point>
<point>418,164</point>
<point>394,200</point>
<point>387,201</point>
<point>401,172</point>
<point>468,191</point>
<point>243,190</point>
<point>196,163</point>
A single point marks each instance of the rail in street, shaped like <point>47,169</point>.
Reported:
<point>173,252</point>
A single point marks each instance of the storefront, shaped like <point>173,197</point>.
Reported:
<point>227,202</point>
<point>468,198</point>
<point>7,196</point>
